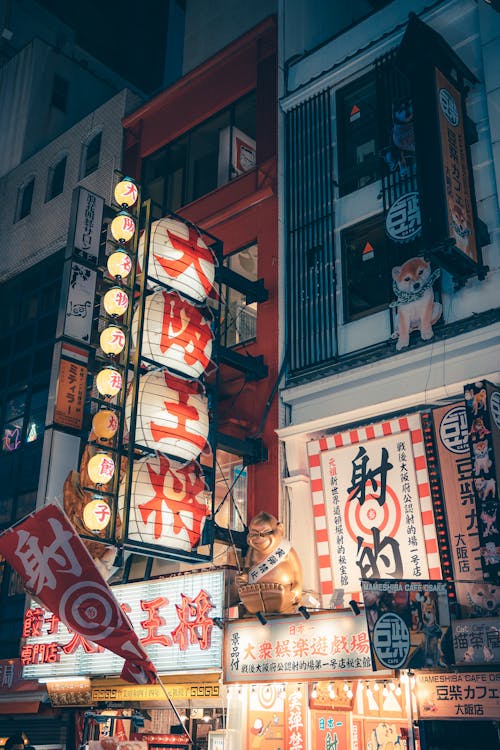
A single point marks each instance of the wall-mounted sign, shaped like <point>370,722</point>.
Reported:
<point>471,695</point>
<point>406,623</point>
<point>80,304</point>
<point>172,618</point>
<point>372,505</point>
<point>289,648</point>
<point>452,442</point>
<point>179,692</point>
<point>69,693</point>
<point>403,221</point>
<point>70,396</point>
<point>477,641</point>
<point>88,224</point>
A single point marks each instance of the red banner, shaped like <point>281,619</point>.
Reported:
<point>56,568</point>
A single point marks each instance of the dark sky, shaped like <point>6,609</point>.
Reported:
<point>127,36</point>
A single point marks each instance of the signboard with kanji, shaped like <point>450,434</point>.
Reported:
<point>372,505</point>
<point>477,641</point>
<point>470,695</point>
<point>70,396</point>
<point>88,224</point>
<point>172,617</point>
<point>328,645</point>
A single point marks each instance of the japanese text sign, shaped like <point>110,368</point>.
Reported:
<point>406,622</point>
<point>172,619</point>
<point>290,648</point>
<point>477,641</point>
<point>55,566</point>
<point>80,303</point>
<point>88,224</point>
<point>372,505</point>
<point>471,695</point>
<point>70,397</point>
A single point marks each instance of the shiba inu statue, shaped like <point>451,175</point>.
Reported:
<point>417,310</point>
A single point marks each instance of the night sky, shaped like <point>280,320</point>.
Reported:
<point>127,36</point>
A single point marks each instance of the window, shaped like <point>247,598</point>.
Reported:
<point>208,156</point>
<point>366,265</point>
<point>91,154</point>
<point>60,88</point>
<point>239,319</point>
<point>25,199</point>
<point>55,181</point>
<point>358,148</point>
<point>230,492</point>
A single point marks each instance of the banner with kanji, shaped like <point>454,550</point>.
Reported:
<point>56,568</point>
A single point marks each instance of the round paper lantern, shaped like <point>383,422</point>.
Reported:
<point>119,264</point>
<point>123,227</point>
<point>105,424</point>
<point>96,515</point>
<point>167,503</point>
<point>115,301</point>
<point>126,192</point>
<point>109,382</point>
<point>179,258</point>
<point>101,468</point>
<point>172,415</point>
<point>176,334</point>
<point>112,340</point>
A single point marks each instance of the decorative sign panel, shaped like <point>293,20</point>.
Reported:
<point>477,641</point>
<point>172,617</point>
<point>88,225</point>
<point>70,396</point>
<point>471,695</point>
<point>80,305</point>
<point>291,648</point>
<point>372,505</point>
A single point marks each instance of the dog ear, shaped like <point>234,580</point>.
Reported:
<point>395,272</point>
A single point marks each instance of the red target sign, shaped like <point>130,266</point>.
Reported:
<point>360,519</point>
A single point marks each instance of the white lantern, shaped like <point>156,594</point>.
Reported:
<point>167,503</point>
<point>126,192</point>
<point>179,258</point>
<point>115,301</point>
<point>176,334</point>
<point>101,468</point>
<point>119,264</point>
<point>123,227</point>
<point>109,382</point>
<point>172,415</point>
<point>96,515</point>
<point>112,340</point>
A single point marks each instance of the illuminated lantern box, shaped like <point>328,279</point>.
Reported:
<point>168,503</point>
<point>172,415</point>
<point>176,334</point>
<point>179,258</point>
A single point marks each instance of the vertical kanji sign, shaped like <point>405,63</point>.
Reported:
<point>56,568</point>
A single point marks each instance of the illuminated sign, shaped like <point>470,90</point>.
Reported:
<point>472,695</point>
<point>290,648</point>
<point>179,692</point>
<point>172,618</point>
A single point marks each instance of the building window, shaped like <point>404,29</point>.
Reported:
<point>207,157</point>
<point>239,319</point>
<point>358,148</point>
<point>55,181</point>
<point>231,492</point>
<point>60,88</point>
<point>12,433</point>
<point>366,266</point>
<point>91,154</point>
<point>25,199</point>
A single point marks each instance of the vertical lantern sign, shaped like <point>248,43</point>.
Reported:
<point>91,497</point>
<point>167,410</point>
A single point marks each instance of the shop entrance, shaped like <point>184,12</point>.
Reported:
<point>459,735</point>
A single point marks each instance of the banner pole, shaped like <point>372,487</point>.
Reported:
<point>167,696</point>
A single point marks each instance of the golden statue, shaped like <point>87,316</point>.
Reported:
<point>272,577</point>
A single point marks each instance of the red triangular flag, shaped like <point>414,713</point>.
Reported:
<point>56,567</point>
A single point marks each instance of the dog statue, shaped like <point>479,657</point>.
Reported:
<point>417,310</point>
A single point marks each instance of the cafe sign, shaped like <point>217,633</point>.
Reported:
<point>471,695</point>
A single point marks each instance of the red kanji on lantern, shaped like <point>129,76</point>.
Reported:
<point>184,326</point>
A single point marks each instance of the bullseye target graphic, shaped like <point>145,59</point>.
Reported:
<point>267,695</point>
<point>361,519</point>
<point>89,609</point>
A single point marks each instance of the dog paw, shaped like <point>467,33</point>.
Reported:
<point>426,334</point>
<point>402,344</point>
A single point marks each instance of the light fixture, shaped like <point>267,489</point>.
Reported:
<point>119,264</point>
<point>392,686</point>
<point>346,687</point>
<point>398,690</point>
<point>350,693</point>
<point>355,607</point>
<point>126,192</point>
<point>123,227</point>
<point>112,340</point>
<point>207,718</point>
<point>331,690</point>
<point>183,718</point>
<point>376,687</point>
<point>105,424</point>
<point>218,622</point>
<point>385,691</point>
<point>369,690</point>
<point>303,611</point>
<point>115,302</point>
<point>96,515</point>
<point>109,382</point>
<point>314,691</point>
<point>101,468</point>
